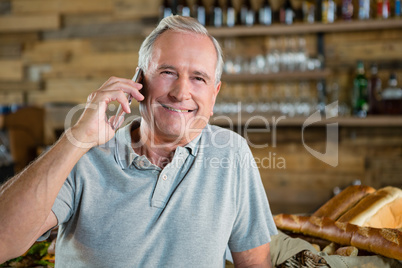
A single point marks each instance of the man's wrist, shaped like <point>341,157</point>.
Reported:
<point>78,139</point>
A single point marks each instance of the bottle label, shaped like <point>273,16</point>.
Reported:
<point>265,16</point>
<point>398,8</point>
<point>347,9</point>
<point>201,15</point>
<point>185,12</point>
<point>167,12</point>
<point>308,12</point>
<point>328,11</point>
<point>217,17</point>
<point>250,18</point>
<point>385,9</point>
<point>289,16</point>
<point>231,17</point>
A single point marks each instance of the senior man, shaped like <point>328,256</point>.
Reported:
<point>166,190</point>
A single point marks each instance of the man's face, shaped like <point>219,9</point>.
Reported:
<point>179,85</point>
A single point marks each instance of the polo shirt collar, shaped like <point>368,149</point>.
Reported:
<point>124,153</point>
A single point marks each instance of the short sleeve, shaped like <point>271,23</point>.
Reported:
<point>63,206</point>
<point>254,224</point>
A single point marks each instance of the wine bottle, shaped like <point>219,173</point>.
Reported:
<point>364,9</point>
<point>165,9</point>
<point>398,9</point>
<point>309,11</point>
<point>360,92</point>
<point>392,97</point>
<point>286,13</point>
<point>374,91</point>
<point>347,9</point>
<point>183,8</point>
<point>230,14</point>
<point>328,11</point>
<point>265,13</point>
<point>199,12</point>
<point>216,16</point>
<point>247,15</point>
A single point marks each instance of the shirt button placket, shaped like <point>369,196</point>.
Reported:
<point>164,177</point>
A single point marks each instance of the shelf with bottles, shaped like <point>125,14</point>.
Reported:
<point>289,99</point>
<point>301,28</point>
<point>306,28</point>
<point>259,59</point>
<point>283,17</point>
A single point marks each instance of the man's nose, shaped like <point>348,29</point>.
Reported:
<point>181,89</point>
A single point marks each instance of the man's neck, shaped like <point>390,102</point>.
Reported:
<point>158,150</point>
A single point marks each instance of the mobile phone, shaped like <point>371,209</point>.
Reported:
<point>120,112</point>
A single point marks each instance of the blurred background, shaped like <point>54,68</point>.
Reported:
<point>282,58</point>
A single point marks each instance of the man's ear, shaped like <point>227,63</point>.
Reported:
<point>216,91</point>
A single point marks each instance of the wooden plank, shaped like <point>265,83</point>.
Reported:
<point>74,90</point>
<point>339,38</point>
<point>378,50</point>
<point>61,6</point>
<point>10,50</point>
<point>56,50</point>
<point>87,19</point>
<point>5,7</point>
<point>116,44</point>
<point>120,28</point>
<point>18,38</point>
<point>269,159</point>
<point>101,65</point>
<point>19,86</point>
<point>11,70</point>
<point>136,9</point>
<point>15,23</point>
<point>6,98</point>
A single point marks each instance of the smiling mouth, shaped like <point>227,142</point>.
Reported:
<point>176,110</point>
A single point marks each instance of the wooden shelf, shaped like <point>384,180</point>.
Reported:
<point>261,120</point>
<point>22,86</point>
<point>281,76</point>
<point>305,28</point>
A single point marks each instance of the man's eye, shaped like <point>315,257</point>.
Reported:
<point>200,79</point>
<point>167,72</point>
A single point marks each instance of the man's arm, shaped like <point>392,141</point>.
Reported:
<point>26,200</point>
<point>258,257</point>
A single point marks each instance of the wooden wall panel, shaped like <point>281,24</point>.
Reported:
<point>129,9</point>
<point>61,6</point>
<point>67,90</point>
<point>11,70</point>
<point>16,23</point>
<point>52,51</point>
<point>96,65</point>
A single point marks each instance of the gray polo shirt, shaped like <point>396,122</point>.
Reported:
<point>117,209</point>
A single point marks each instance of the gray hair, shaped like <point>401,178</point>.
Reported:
<point>180,24</point>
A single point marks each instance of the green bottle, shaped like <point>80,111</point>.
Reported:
<point>360,92</point>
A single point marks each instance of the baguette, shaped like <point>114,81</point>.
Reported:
<point>388,216</point>
<point>370,205</point>
<point>290,222</point>
<point>386,242</point>
<point>342,202</point>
